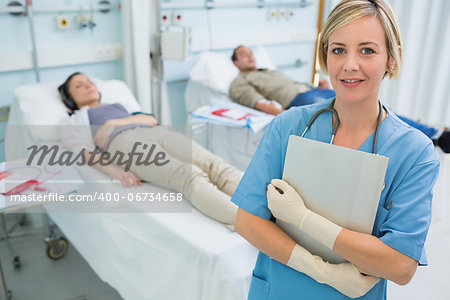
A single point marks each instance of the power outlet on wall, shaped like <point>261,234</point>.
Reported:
<point>177,17</point>
<point>272,14</point>
<point>165,19</point>
<point>289,14</point>
<point>282,14</point>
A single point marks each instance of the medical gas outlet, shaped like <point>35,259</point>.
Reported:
<point>280,14</point>
<point>85,22</point>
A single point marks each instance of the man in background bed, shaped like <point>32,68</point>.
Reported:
<point>272,92</point>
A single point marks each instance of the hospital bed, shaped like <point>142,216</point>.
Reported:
<point>210,79</point>
<point>141,255</point>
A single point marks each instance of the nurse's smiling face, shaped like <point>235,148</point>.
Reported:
<point>357,59</point>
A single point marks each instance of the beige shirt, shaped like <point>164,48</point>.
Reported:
<point>247,89</point>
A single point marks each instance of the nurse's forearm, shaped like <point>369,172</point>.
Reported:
<point>265,235</point>
<point>374,257</point>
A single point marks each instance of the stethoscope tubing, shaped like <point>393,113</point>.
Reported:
<point>337,122</point>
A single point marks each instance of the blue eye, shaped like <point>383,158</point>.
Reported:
<point>367,51</point>
<point>338,51</point>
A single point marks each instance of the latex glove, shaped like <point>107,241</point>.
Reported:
<point>343,277</point>
<point>286,204</point>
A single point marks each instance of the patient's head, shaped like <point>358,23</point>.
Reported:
<point>243,59</point>
<point>78,91</point>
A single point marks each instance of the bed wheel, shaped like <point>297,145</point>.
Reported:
<point>23,221</point>
<point>16,262</point>
<point>58,248</point>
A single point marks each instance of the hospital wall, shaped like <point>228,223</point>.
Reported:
<point>15,42</point>
<point>218,29</point>
<point>287,39</point>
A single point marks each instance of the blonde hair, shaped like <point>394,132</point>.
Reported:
<point>348,11</point>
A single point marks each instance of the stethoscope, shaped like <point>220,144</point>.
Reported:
<point>337,122</point>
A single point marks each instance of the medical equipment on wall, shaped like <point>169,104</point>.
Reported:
<point>176,42</point>
<point>310,164</point>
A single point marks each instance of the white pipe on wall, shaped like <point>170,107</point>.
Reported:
<point>58,57</point>
<point>225,42</point>
<point>197,5</point>
<point>57,9</point>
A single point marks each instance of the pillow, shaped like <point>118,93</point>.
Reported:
<point>217,71</point>
<point>263,60</point>
<point>41,104</point>
<point>116,91</point>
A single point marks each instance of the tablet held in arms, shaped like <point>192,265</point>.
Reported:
<point>340,184</point>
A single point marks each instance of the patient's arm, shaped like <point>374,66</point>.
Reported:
<point>264,235</point>
<point>103,133</point>
<point>268,108</point>
<point>102,136</point>
<point>128,179</point>
<point>324,84</point>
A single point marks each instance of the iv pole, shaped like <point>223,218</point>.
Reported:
<point>6,294</point>
<point>29,12</point>
<point>316,67</point>
<point>157,68</point>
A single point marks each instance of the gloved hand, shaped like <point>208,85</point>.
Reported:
<point>287,205</point>
<point>343,277</point>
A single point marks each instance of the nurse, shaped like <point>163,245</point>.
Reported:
<point>359,46</point>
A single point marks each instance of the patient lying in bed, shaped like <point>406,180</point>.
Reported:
<point>178,163</point>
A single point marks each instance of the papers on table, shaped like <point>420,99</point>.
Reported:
<point>233,114</point>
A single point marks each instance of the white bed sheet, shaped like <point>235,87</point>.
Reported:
<point>162,255</point>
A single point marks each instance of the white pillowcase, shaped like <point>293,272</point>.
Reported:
<point>217,71</point>
<point>41,104</point>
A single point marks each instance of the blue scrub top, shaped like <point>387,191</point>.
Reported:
<point>412,171</point>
